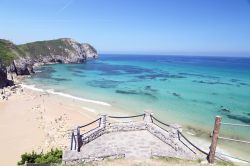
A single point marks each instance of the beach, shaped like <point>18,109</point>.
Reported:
<point>33,120</point>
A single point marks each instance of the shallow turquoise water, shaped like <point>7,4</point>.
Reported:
<point>187,90</point>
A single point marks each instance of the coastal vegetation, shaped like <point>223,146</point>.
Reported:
<point>6,53</point>
<point>20,59</point>
<point>46,48</point>
<point>53,156</point>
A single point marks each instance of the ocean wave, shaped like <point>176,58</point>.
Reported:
<point>51,91</point>
<point>32,87</point>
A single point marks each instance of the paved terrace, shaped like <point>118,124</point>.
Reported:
<point>140,139</point>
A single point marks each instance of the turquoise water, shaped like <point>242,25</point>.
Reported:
<point>190,91</point>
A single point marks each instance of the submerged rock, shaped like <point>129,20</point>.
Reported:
<point>240,118</point>
<point>248,114</point>
<point>225,110</point>
<point>176,94</point>
<point>134,92</point>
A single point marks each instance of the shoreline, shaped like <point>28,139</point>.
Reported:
<point>54,114</point>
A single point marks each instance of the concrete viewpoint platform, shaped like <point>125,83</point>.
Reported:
<point>141,139</point>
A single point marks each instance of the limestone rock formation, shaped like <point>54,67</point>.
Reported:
<point>20,59</point>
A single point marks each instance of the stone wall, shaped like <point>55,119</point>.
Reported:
<point>125,126</point>
<point>169,135</point>
<point>93,134</point>
<point>73,157</point>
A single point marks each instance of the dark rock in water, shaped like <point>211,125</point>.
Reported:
<point>112,69</point>
<point>161,76</point>
<point>148,88</point>
<point>176,94</point>
<point>240,118</point>
<point>149,95</point>
<point>248,114</point>
<point>199,75</point>
<point>214,93</point>
<point>134,92</point>
<point>225,110</point>
<point>129,92</point>
<point>78,75</point>
<point>234,80</point>
<point>104,83</point>
<point>60,79</point>
<point>244,84</point>
<point>209,102</point>
<point>211,82</point>
<point>175,76</point>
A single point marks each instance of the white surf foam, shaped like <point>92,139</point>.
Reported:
<point>51,91</point>
<point>77,98</point>
<point>32,87</point>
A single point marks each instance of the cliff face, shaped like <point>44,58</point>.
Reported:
<point>52,51</point>
<point>20,59</point>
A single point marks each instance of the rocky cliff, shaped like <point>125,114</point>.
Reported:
<point>20,59</point>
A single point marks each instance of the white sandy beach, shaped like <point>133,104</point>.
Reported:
<point>37,121</point>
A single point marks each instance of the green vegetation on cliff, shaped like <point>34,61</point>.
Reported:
<point>46,48</point>
<point>36,50</point>
<point>6,52</point>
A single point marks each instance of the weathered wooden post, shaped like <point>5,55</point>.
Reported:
<point>72,143</point>
<point>79,140</point>
<point>211,155</point>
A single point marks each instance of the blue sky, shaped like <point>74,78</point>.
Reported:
<point>133,26</point>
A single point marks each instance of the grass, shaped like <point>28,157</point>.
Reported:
<point>46,48</point>
<point>6,52</point>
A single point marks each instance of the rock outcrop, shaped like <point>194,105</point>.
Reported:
<point>20,59</point>
<point>3,76</point>
<point>52,51</point>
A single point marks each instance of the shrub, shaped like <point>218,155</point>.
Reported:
<point>53,156</point>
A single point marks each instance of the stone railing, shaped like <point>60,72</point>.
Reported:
<point>169,136</point>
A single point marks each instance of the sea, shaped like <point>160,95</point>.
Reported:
<point>187,90</point>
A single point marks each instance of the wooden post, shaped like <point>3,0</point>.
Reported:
<point>72,139</point>
<point>79,140</point>
<point>211,155</point>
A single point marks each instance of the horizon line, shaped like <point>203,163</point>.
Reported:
<point>197,54</point>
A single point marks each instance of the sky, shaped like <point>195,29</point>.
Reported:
<point>209,27</point>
